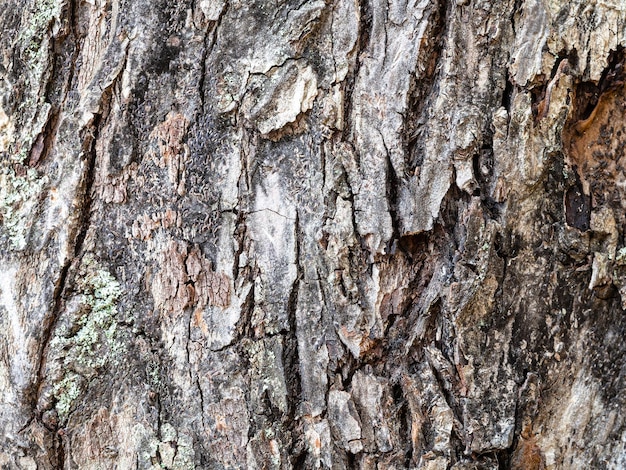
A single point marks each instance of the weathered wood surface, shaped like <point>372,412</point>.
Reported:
<point>312,234</point>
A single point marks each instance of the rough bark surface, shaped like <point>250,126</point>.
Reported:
<point>312,234</point>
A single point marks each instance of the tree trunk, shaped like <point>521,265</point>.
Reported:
<point>312,234</point>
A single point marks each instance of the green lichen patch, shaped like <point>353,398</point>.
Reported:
<point>34,32</point>
<point>18,198</point>
<point>66,391</point>
<point>34,43</point>
<point>94,340</point>
<point>172,451</point>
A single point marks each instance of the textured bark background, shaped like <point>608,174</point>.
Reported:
<point>312,234</point>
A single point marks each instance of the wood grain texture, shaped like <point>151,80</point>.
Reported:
<point>312,234</point>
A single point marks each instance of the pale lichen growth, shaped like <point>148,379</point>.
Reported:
<point>33,35</point>
<point>173,450</point>
<point>620,257</point>
<point>18,192</point>
<point>17,203</point>
<point>94,342</point>
<point>153,374</point>
<point>7,129</point>
<point>66,391</point>
<point>39,25</point>
<point>101,294</point>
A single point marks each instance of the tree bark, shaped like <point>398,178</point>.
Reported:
<point>312,234</point>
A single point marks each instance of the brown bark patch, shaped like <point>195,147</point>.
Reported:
<point>186,278</point>
<point>211,288</point>
<point>527,456</point>
<point>100,436</point>
<point>228,429</point>
<point>145,224</point>
<point>577,208</point>
<point>169,136</point>
<point>113,188</point>
<point>596,148</point>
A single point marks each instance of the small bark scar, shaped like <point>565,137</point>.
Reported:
<point>544,106</point>
<point>36,151</point>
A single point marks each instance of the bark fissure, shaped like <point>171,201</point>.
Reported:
<point>49,135</point>
<point>364,32</point>
<point>291,356</point>
<point>423,88</point>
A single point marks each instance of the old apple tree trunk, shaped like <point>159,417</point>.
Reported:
<point>312,234</point>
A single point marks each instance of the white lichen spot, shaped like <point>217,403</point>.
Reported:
<point>212,9</point>
<point>620,257</point>
<point>6,131</point>
<point>19,363</point>
<point>17,203</point>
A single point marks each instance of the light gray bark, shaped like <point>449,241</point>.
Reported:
<point>312,234</point>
